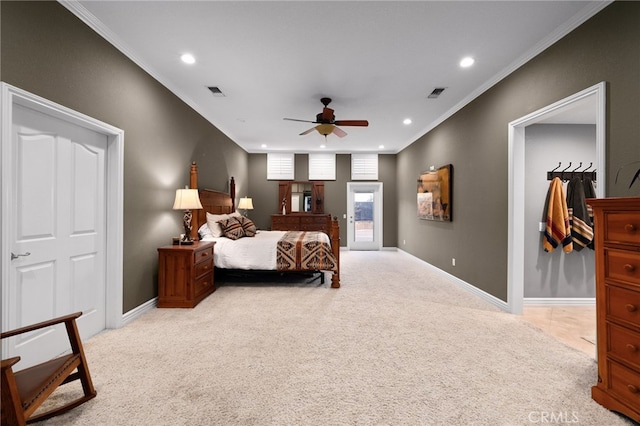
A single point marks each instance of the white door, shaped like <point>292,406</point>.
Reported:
<point>57,227</point>
<point>364,216</point>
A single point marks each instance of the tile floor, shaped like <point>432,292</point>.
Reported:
<point>573,325</point>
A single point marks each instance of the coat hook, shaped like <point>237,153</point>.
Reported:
<point>567,168</point>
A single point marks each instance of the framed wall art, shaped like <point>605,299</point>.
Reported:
<point>435,194</point>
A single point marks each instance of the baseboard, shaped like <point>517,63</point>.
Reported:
<point>559,301</point>
<point>139,311</point>
<point>463,284</point>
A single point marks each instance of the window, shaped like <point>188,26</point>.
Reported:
<point>322,166</point>
<point>280,166</point>
<point>364,166</point>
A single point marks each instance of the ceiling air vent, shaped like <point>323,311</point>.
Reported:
<point>216,91</point>
<point>436,92</point>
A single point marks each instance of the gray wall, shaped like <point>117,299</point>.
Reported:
<point>474,140</point>
<point>46,50</point>
<point>555,274</point>
<point>265,193</point>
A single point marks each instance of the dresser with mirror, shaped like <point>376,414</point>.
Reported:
<point>303,206</point>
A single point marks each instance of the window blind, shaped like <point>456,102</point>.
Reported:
<point>364,166</point>
<point>280,166</point>
<point>322,166</point>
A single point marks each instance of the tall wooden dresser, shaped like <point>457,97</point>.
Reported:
<point>617,243</point>
<point>185,274</point>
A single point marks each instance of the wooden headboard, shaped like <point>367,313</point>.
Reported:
<point>216,202</point>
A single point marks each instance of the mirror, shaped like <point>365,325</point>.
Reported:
<point>301,197</point>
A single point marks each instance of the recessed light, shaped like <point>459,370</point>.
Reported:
<point>264,145</point>
<point>188,58</point>
<point>323,146</point>
<point>467,62</point>
<point>381,147</point>
<point>407,121</point>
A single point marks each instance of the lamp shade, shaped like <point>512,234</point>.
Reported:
<point>246,203</point>
<point>187,199</point>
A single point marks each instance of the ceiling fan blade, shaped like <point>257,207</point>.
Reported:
<point>327,115</point>
<point>295,119</point>
<point>306,132</point>
<point>362,123</point>
<point>339,132</point>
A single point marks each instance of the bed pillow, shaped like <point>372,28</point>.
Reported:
<point>214,226</point>
<point>248,226</point>
<point>231,228</point>
<point>204,231</point>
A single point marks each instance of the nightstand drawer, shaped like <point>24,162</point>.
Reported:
<point>203,284</point>
<point>622,227</point>
<point>202,255</point>
<point>203,268</point>
<point>623,304</point>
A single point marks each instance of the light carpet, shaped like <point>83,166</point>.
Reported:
<point>398,344</point>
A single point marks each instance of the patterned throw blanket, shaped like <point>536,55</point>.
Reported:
<point>558,230</point>
<point>299,250</point>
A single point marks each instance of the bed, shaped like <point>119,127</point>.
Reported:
<point>283,251</point>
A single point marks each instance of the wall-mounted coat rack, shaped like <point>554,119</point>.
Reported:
<point>567,174</point>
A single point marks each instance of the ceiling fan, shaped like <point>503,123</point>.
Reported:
<point>327,123</point>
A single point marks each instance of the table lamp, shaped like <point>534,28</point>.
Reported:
<point>187,200</point>
<point>246,203</point>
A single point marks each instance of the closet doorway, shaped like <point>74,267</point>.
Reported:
<point>582,107</point>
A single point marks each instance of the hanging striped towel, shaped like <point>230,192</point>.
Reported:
<point>589,192</point>
<point>557,231</point>
<point>581,228</point>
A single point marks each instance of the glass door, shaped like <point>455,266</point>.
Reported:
<point>364,216</point>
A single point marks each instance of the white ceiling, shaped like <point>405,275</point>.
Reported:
<point>377,60</point>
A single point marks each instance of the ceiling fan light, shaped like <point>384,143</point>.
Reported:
<point>324,129</point>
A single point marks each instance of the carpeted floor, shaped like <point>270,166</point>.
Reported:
<point>398,344</point>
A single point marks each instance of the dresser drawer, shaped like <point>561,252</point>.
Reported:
<point>623,304</point>
<point>278,220</point>
<point>622,227</point>
<point>313,223</point>
<point>315,220</point>
<point>203,255</point>
<point>624,344</point>
<point>284,223</point>
<point>624,381</point>
<point>622,266</point>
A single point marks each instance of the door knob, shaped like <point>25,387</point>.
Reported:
<point>15,256</point>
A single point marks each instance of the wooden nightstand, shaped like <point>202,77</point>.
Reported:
<point>185,274</point>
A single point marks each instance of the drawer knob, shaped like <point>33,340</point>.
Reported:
<point>632,348</point>
<point>629,267</point>
<point>629,227</point>
<point>631,308</point>
<point>632,388</point>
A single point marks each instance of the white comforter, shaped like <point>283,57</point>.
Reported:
<point>257,253</point>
